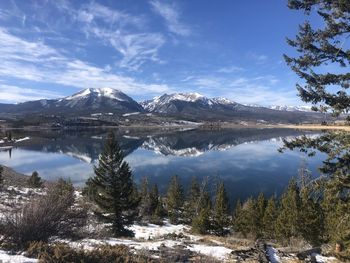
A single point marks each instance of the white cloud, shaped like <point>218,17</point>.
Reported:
<point>36,61</point>
<point>171,15</point>
<point>230,69</point>
<point>113,27</point>
<point>136,49</point>
<point>11,94</point>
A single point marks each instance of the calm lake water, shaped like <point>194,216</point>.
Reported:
<point>247,160</point>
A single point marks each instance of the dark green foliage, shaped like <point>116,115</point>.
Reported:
<point>287,224</point>
<point>320,47</point>
<point>245,218</point>
<point>175,200</point>
<point>201,222</point>
<point>260,211</point>
<point>311,218</point>
<point>150,206</point>
<point>115,193</point>
<point>192,208</point>
<point>336,207</point>
<point>90,190</point>
<point>35,180</point>
<point>221,210</point>
<point>269,219</point>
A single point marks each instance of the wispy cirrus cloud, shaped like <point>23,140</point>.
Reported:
<point>171,15</point>
<point>113,27</point>
<point>38,62</point>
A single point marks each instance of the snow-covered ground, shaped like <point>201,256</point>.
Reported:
<point>6,258</point>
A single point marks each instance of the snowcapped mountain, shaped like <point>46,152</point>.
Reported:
<point>284,108</point>
<point>87,101</point>
<point>178,102</point>
<point>102,99</point>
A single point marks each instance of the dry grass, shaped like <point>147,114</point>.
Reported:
<point>315,127</point>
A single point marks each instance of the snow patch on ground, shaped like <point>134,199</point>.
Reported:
<point>151,231</point>
<point>6,258</point>
<point>323,259</point>
<point>218,252</point>
<point>130,114</point>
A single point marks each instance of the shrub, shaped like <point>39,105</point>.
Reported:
<point>62,253</point>
<point>45,216</point>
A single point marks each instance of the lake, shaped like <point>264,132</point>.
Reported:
<point>246,160</point>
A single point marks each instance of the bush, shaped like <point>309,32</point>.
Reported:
<point>45,216</point>
<point>62,253</point>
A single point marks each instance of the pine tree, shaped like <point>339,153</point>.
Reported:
<point>269,219</point>
<point>311,218</point>
<point>35,180</point>
<point>192,208</point>
<point>319,47</point>
<point>115,191</point>
<point>90,190</point>
<point>287,224</point>
<point>154,199</point>
<point>175,200</point>
<point>1,177</point>
<point>260,210</point>
<point>245,218</point>
<point>221,210</point>
<point>201,222</point>
<point>336,207</point>
<point>145,202</point>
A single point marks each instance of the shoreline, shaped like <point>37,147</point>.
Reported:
<point>314,127</point>
<point>200,126</point>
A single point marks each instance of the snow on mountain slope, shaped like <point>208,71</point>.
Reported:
<point>99,92</point>
<point>159,104</point>
<point>283,108</point>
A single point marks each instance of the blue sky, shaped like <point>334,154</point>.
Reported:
<point>226,48</point>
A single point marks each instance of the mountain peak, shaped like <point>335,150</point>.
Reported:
<point>99,92</point>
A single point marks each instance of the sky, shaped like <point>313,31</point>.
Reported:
<point>145,48</point>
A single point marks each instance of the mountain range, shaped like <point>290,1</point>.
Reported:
<point>189,106</point>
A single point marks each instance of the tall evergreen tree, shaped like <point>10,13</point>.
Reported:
<point>145,202</point>
<point>260,210</point>
<point>115,190</point>
<point>35,180</point>
<point>336,207</point>
<point>175,200</point>
<point>287,224</point>
<point>201,222</point>
<point>311,220</point>
<point>320,47</point>
<point>154,199</point>
<point>192,207</point>
<point>221,209</point>
<point>246,217</point>
<point>269,218</point>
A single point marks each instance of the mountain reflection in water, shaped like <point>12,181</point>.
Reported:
<point>247,160</point>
